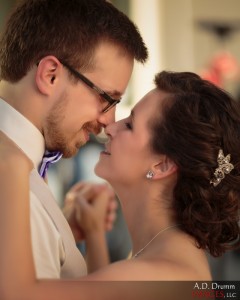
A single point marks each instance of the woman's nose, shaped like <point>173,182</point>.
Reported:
<point>111,129</point>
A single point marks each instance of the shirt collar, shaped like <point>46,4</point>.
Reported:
<point>25,135</point>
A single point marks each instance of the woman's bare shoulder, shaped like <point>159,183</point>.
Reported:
<point>149,270</point>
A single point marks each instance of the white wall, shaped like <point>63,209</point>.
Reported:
<point>175,40</point>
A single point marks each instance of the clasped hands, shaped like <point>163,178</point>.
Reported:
<point>89,208</point>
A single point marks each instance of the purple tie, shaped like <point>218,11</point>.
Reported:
<point>48,158</point>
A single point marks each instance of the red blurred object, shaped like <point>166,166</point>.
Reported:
<point>221,67</point>
<point>212,75</point>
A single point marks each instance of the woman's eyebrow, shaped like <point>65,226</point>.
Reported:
<point>132,114</point>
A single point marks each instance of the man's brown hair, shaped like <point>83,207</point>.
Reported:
<point>68,29</point>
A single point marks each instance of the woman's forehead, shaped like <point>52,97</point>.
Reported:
<point>152,99</point>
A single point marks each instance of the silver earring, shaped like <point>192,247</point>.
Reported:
<point>149,174</point>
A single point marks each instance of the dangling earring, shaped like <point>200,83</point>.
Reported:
<point>150,175</point>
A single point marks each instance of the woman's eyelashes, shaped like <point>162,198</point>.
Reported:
<point>128,124</point>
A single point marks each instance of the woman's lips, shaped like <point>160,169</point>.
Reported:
<point>105,152</point>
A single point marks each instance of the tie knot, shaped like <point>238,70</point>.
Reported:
<point>48,158</point>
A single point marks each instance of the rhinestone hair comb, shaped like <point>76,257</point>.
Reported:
<point>224,167</point>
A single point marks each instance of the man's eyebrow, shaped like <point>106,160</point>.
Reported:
<point>115,94</point>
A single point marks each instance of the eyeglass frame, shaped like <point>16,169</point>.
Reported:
<point>111,101</point>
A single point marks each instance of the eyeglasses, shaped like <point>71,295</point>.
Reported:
<point>110,101</point>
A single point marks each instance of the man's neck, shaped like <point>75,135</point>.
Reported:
<point>22,98</point>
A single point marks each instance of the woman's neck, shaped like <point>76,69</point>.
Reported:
<point>144,213</point>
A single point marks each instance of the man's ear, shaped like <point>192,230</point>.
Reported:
<point>164,167</point>
<point>48,70</point>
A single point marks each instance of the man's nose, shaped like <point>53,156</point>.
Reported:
<point>107,118</point>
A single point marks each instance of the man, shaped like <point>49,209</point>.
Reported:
<point>64,65</point>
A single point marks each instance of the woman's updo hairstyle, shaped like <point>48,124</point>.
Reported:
<point>195,121</point>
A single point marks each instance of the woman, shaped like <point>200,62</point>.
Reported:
<point>174,164</point>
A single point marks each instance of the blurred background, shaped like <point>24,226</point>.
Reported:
<point>202,36</point>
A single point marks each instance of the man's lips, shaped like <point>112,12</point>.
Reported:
<point>90,129</point>
<point>87,133</point>
<point>95,130</point>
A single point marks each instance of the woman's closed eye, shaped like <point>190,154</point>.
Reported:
<point>128,125</point>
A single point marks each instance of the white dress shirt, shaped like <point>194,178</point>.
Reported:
<point>54,249</point>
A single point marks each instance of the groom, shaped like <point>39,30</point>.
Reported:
<point>64,66</point>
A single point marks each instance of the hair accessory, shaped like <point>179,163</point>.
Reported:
<point>224,167</point>
<point>149,174</point>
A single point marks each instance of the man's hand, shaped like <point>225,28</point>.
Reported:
<point>88,205</point>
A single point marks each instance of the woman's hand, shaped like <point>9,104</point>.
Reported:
<point>89,207</point>
<point>90,210</point>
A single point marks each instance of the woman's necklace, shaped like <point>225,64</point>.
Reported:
<point>161,231</point>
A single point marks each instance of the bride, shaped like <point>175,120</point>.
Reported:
<point>174,163</point>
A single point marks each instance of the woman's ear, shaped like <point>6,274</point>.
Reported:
<point>164,167</point>
<point>48,70</point>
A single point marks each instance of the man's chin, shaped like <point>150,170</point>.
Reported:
<point>68,153</point>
